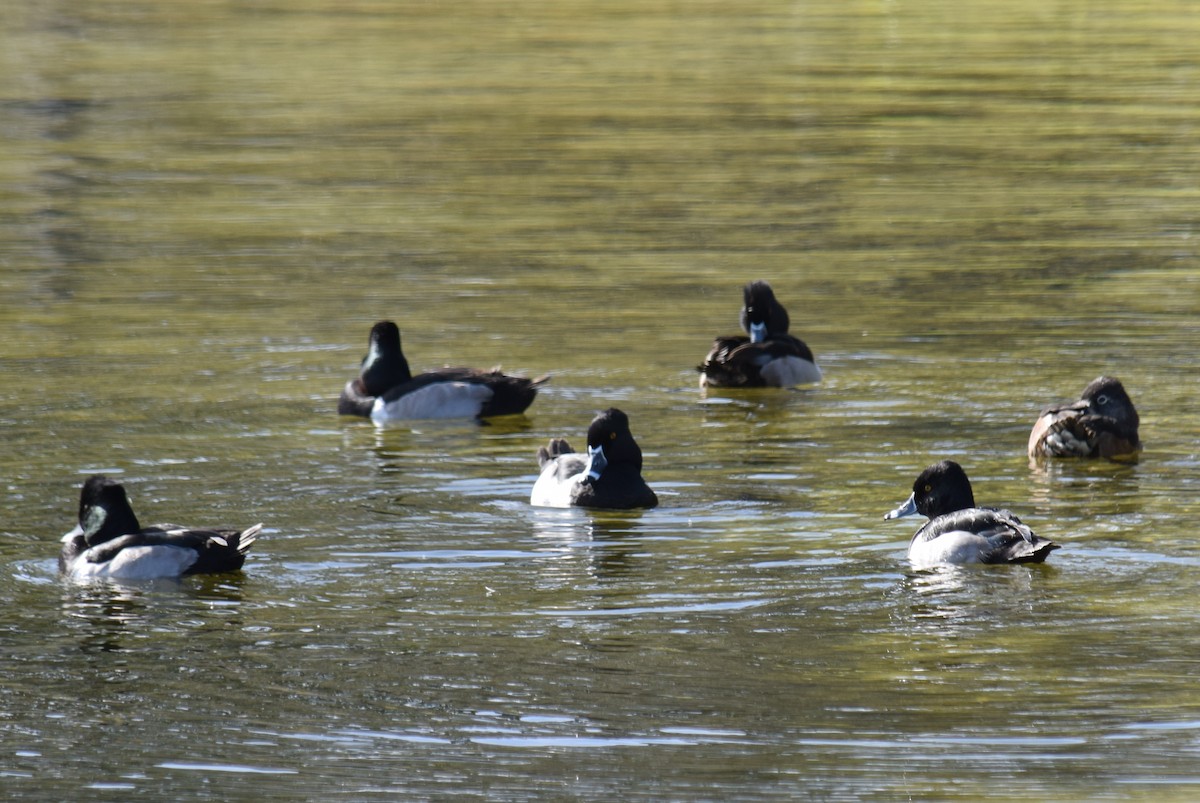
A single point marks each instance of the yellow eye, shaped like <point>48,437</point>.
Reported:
<point>928,488</point>
<point>612,436</point>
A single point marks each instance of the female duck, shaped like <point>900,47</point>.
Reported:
<point>385,389</point>
<point>1103,423</point>
<point>768,357</point>
<point>959,532</point>
<point>608,476</point>
<point>109,542</point>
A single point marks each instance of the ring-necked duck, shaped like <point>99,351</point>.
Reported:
<point>109,543</point>
<point>385,389</point>
<point>1103,423</point>
<point>608,476</point>
<point>768,357</point>
<point>959,532</point>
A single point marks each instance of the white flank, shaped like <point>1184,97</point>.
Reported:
<point>439,400</point>
<point>135,563</point>
<point>958,546</point>
<point>551,491</point>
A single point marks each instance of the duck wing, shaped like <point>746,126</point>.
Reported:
<point>781,346</point>
<point>1062,431</point>
<point>355,400</point>
<point>458,392</point>
<point>1006,539</point>
<point>217,550</point>
<point>552,451</point>
<point>737,362</point>
<point>734,362</point>
<point>1107,436</point>
<point>719,353</point>
<point>511,395</point>
<point>566,466</point>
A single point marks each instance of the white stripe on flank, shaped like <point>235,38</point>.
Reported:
<point>439,400</point>
<point>136,563</point>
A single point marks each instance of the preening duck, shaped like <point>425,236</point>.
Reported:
<point>109,542</point>
<point>609,475</point>
<point>960,532</point>
<point>386,390</point>
<point>767,355</point>
<point>1103,423</point>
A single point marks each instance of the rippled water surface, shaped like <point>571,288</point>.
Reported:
<point>970,209</point>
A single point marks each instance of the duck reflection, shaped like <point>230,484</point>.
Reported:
<point>109,616</point>
<point>600,546</point>
<point>949,598</point>
<point>722,407</point>
<point>105,614</point>
<point>437,445</point>
<point>1111,485</point>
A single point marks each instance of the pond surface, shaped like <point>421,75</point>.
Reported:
<point>970,210</point>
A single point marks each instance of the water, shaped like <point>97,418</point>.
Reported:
<point>970,210</point>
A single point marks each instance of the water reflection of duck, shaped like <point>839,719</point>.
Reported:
<point>386,390</point>
<point>609,475</point>
<point>960,532</point>
<point>606,546</point>
<point>768,357</point>
<point>109,543</point>
<point>1103,423</point>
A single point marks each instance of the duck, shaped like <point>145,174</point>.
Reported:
<point>608,476</point>
<point>386,390</point>
<point>109,543</point>
<point>1103,423</point>
<point>958,532</point>
<point>767,356</point>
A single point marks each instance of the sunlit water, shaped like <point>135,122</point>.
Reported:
<point>971,210</point>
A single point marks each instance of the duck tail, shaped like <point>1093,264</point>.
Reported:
<point>247,537</point>
<point>556,448</point>
<point>1036,552</point>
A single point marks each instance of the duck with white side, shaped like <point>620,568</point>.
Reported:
<point>766,356</point>
<point>385,389</point>
<point>958,532</point>
<point>109,543</point>
<point>608,475</point>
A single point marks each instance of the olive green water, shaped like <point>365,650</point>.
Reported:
<point>970,210</point>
